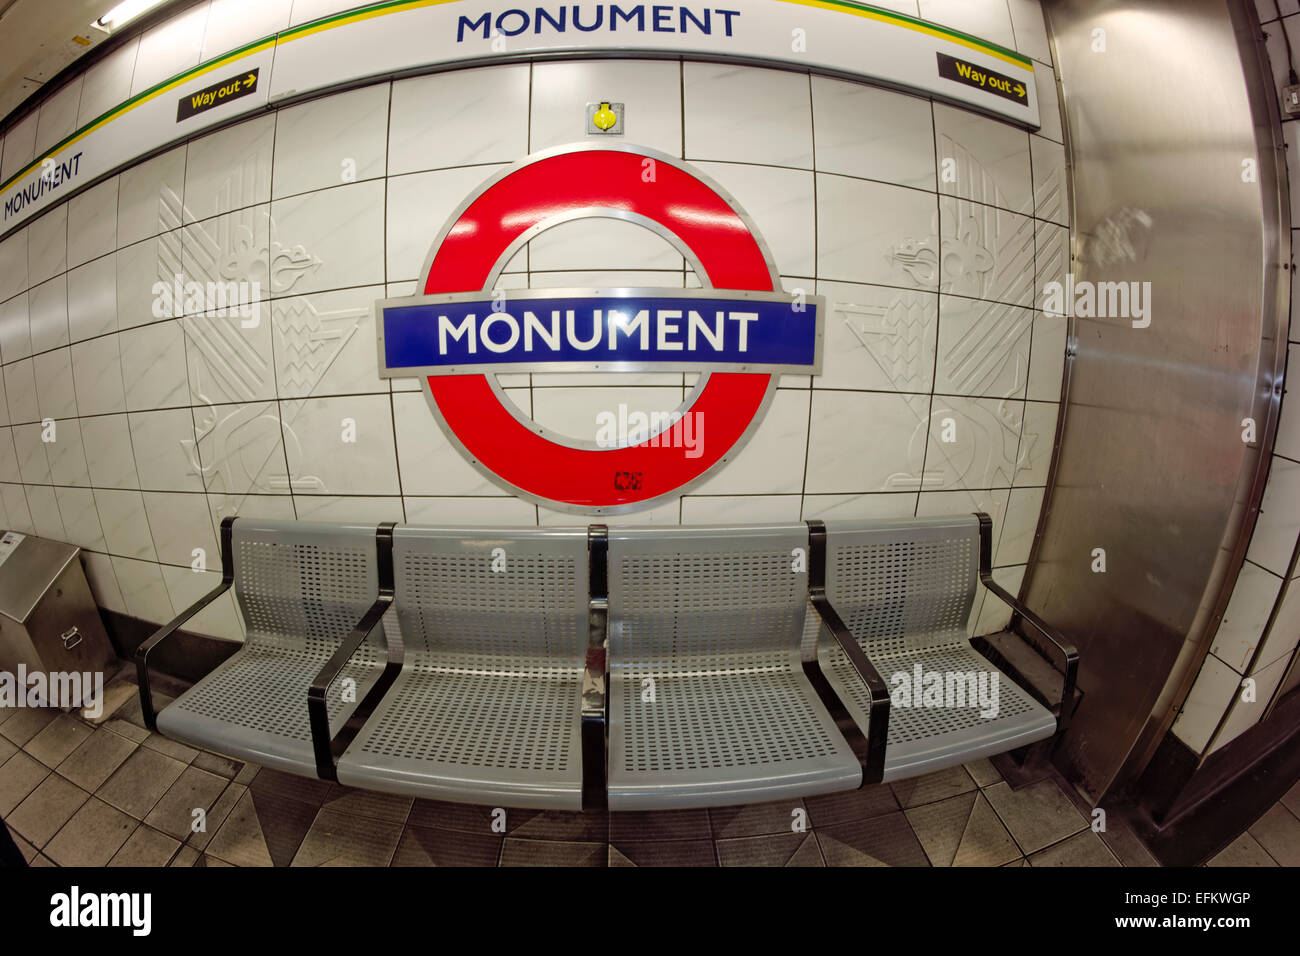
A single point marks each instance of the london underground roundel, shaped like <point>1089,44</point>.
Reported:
<point>739,332</point>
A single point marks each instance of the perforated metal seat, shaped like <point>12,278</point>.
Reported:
<point>905,589</point>
<point>709,704</point>
<point>301,588</point>
<point>487,708</point>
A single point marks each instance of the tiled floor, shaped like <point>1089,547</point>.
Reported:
<point>77,795</point>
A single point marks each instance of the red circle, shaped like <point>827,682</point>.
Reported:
<point>543,190</point>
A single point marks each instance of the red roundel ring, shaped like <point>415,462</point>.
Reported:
<point>549,187</point>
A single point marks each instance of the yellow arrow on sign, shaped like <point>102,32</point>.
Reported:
<point>1020,90</point>
<point>250,79</point>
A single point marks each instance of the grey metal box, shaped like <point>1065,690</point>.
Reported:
<point>48,618</point>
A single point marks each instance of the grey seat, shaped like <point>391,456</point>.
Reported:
<point>301,588</point>
<point>487,708</point>
<point>906,589</point>
<point>713,618</point>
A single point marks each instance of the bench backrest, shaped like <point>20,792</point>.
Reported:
<point>705,598</point>
<point>506,598</point>
<point>906,584</point>
<point>301,583</point>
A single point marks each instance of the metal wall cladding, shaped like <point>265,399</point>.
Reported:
<point>1151,465</point>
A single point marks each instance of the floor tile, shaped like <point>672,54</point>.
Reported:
<point>280,784</point>
<point>200,838</point>
<point>1037,815</point>
<point>1290,799</point>
<point>207,859</point>
<point>145,847</point>
<point>1243,851</point>
<point>24,723</point>
<point>172,748</point>
<point>640,827</point>
<point>1278,832</point>
<point>140,782</point>
<point>777,849</point>
<point>757,819</point>
<point>215,763</point>
<point>7,749</point>
<point>1082,849</point>
<point>262,830</point>
<point>694,853</point>
<point>431,846</point>
<point>94,834</point>
<point>885,840</point>
<point>185,856</point>
<point>45,810</point>
<point>871,801</point>
<point>568,826</point>
<point>368,803</point>
<point>517,852</point>
<point>983,772</point>
<point>59,738</point>
<point>95,760</point>
<point>469,817</point>
<point>932,787</point>
<point>19,776</point>
<point>962,831</point>
<point>341,839</point>
<point>124,728</point>
<point>193,790</point>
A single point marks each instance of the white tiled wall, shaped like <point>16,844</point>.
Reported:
<point>164,426</point>
<point>1218,690</point>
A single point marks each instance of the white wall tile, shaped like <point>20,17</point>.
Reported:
<point>107,83</point>
<point>241,449</point>
<point>234,23</point>
<point>986,19</point>
<point>44,508</point>
<point>8,457</point>
<point>1246,714</point>
<point>890,462</point>
<point>13,265</point>
<point>1049,103</point>
<point>983,348</point>
<point>1248,610</point>
<point>229,169</point>
<point>341,445</point>
<point>20,146</point>
<point>766,119</point>
<point>1278,524</point>
<point>878,338</point>
<point>80,519</point>
<point>901,504</point>
<point>985,449</point>
<point>170,48</point>
<point>418,207</point>
<point>126,527</point>
<point>153,366</point>
<point>15,503</point>
<point>149,197</point>
<point>990,159</point>
<point>348,508</point>
<point>181,523</point>
<point>876,233</point>
<point>56,395</point>
<point>143,590</point>
<point>325,343</point>
<point>33,463</point>
<point>20,389</point>
<point>109,455</point>
<point>988,252</point>
<point>873,133</point>
<point>739,509</point>
<point>1051,197</point>
<point>342,227</point>
<point>15,329</point>
<point>1030,30</point>
<point>1216,686</point>
<point>47,307</point>
<point>103,581</point>
<point>92,223</point>
<point>163,446</point>
<point>47,245</point>
<point>491,511</point>
<point>93,299</point>
<point>780,204</point>
<point>57,118</point>
<point>437,121</point>
<point>219,619</point>
<point>429,464</point>
<point>227,362</point>
<point>331,141</point>
<point>67,455</point>
<point>650,91</point>
<point>772,461</point>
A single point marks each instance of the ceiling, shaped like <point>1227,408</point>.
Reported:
<point>38,38</point>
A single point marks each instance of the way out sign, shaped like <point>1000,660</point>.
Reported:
<point>201,101</point>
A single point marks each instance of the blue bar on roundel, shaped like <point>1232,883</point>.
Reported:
<point>758,333</point>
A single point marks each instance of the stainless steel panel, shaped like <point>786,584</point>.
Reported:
<point>1151,465</point>
<point>29,572</point>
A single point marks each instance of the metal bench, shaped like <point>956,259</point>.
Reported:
<point>709,703</point>
<point>311,600</point>
<point>902,592</point>
<point>488,707</point>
